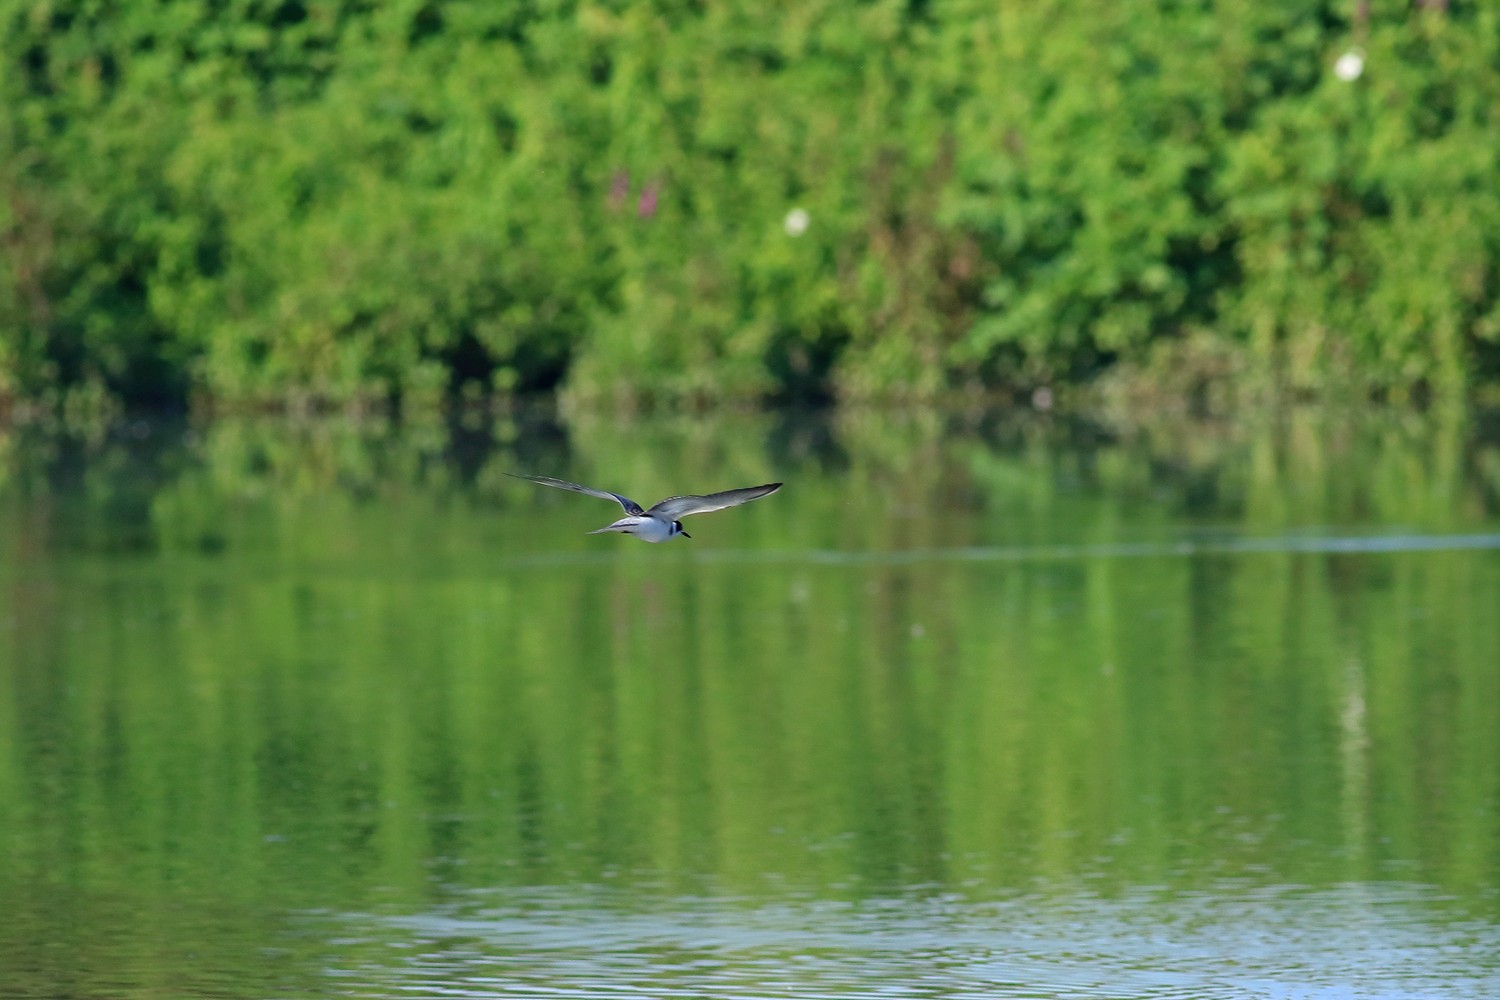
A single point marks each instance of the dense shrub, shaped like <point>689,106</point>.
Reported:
<point>344,202</point>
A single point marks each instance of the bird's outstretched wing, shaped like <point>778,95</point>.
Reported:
<point>675,507</point>
<point>631,507</point>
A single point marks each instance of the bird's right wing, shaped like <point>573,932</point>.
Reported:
<point>631,507</point>
<point>675,507</point>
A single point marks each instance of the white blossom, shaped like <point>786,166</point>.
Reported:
<point>1349,66</point>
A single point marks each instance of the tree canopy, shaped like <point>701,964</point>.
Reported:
<point>344,202</point>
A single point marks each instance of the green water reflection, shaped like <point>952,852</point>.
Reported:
<point>255,671</point>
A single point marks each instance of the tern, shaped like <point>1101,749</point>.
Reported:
<point>660,521</point>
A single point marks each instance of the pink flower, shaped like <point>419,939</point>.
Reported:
<point>646,208</point>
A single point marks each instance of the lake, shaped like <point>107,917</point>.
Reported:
<point>978,705</point>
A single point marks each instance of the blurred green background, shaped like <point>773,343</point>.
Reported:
<point>336,202</point>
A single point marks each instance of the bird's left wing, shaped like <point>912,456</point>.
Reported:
<point>631,507</point>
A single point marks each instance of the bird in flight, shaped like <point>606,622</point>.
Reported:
<point>660,521</point>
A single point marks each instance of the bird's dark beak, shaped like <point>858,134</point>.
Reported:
<point>686,535</point>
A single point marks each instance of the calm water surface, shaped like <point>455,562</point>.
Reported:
<point>974,707</point>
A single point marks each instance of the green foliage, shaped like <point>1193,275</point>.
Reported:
<point>1384,192</point>
<point>349,203</point>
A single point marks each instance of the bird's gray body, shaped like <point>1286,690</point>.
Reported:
<point>662,520</point>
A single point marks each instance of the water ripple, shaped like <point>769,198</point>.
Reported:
<point>1351,943</point>
<point>1187,546</point>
